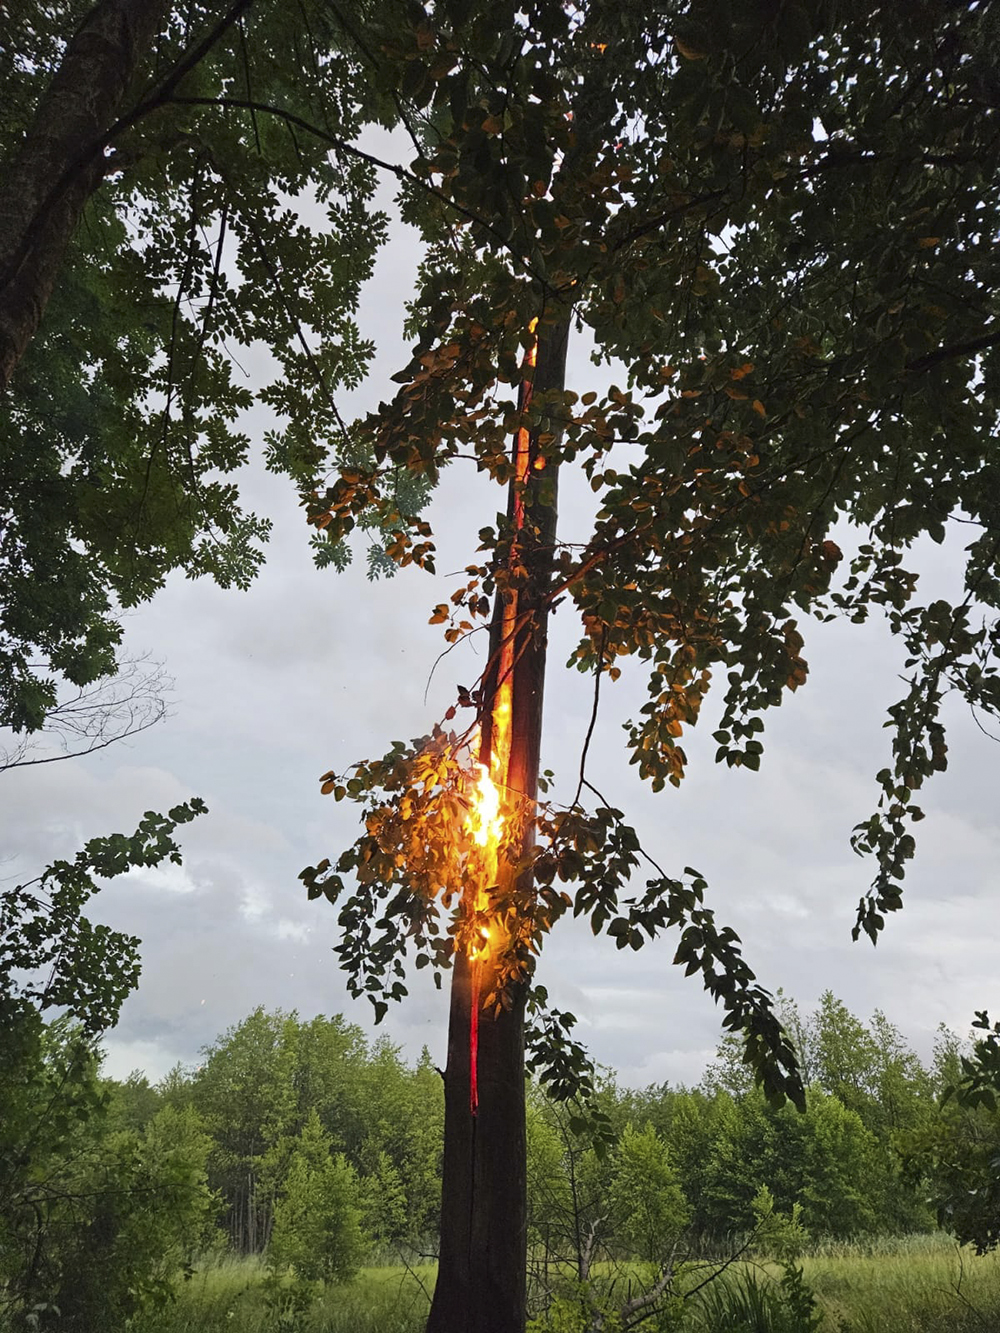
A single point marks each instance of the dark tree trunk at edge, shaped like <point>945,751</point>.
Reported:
<point>60,163</point>
<point>482,1269</point>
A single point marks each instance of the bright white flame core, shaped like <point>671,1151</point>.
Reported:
<point>485,818</point>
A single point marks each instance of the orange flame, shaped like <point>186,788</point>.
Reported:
<point>480,947</point>
<point>485,823</point>
<point>486,816</point>
<point>485,820</point>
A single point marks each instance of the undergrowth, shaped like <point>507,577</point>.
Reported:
<point>910,1285</point>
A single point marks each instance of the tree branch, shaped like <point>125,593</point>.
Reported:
<point>352,150</point>
<point>955,350</point>
<point>65,145</point>
<point>593,718</point>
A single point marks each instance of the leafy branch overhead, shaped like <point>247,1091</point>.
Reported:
<point>781,223</point>
<point>176,232</point>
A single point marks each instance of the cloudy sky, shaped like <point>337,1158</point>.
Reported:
<point>313,670</point>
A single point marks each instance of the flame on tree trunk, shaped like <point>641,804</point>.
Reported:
<point>482,1267</point>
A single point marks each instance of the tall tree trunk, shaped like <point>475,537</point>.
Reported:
<point>482,1268</point>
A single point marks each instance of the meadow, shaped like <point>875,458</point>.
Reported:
<point>918,1284</point>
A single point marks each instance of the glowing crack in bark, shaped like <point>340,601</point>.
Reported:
<point>486,819</point>
<point>486,827</point>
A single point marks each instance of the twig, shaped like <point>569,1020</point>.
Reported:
<point>342,145</point>
<point>444,653</point>
<point>593,717</point>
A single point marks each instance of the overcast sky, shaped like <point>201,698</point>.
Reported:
<point>312,670</point>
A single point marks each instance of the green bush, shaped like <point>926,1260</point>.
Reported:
<point>316,1237</point>
<point>754,1302</point>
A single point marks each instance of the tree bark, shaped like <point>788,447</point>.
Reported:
<point>481,1283</point>
<point>61,162</point>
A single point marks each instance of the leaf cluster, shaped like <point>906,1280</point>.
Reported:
<point>222,226</point>
<point>409,869</point>
<point>51,955</point>
<point>781,222</point>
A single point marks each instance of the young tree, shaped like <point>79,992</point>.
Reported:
<point>245,1092</point>
<point>317,1228</point>
<point>780,220</point>
<point>957,1152</point>
<point>646,1198</point>
<point>606,1229</point>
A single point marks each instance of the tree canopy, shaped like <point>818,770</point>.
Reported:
<point>781,221</point>
<point>778,219</point>
<point>149,237</point>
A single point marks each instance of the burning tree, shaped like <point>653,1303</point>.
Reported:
<point>781,220</point>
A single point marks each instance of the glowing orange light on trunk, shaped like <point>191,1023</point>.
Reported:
<point>485,821</point>
<point>485,824</point>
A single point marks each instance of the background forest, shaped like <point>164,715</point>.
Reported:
<point>254,1186</point>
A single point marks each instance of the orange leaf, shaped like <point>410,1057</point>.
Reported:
<point>689,52</point>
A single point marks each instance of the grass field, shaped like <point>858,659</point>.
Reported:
<point>231,1296</point>
<point>921,1284</point>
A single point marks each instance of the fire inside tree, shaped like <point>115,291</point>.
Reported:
<point>487,936</point>
<point>482,930</point>
<point>777,220</point>
<point>484,1221</point>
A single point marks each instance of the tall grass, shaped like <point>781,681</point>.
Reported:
<point>912,1285</point>
<point>924,1284</point>
<point>230,1297</point>
<point>749,1302</point>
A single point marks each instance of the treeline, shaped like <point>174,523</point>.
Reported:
<point>723,1157</point>
<point>276,1095</point>
<point>304,1143</point>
